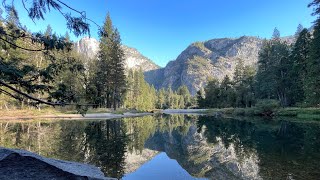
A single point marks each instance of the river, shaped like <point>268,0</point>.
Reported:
<point>177,146</point>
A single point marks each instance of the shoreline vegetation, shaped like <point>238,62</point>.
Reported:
<point>104,113</point>
<point>295,112</point>
<point>63,113</point>
<point>98,113</point>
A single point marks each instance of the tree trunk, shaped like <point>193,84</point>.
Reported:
<point>114,100</point>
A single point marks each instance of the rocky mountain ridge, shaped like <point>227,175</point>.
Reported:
<point>203,60</point>
<point>205,160</point>
<point>199,62</point>
<point>89,47</point>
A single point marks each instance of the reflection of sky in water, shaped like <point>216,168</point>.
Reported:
<point>200,146</point>
<point>160,167</point>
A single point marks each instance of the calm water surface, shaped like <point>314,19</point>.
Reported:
<point>177,146</point>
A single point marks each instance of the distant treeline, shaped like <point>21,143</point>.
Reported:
<point>44,68</point>
<point>141,96</point>
<point>287,73</point>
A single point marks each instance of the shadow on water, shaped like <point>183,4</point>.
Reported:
<point>206,147</point>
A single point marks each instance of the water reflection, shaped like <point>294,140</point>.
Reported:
<point>205,147</point>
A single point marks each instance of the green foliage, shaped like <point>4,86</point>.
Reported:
<point>140,95</point>
<point>312,85</point>
<point>54,74</point>
<point>273,76</point>
<point>238,92</point>
<point>276,34</point>
<point>107,80</point>
<point>266,107</point>
<point>299,73</point>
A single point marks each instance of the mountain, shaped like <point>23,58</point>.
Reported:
<point>203,159</point>
<point>199,62</point>
<point>203,60</point>
<point>89,47</point>
<point>135,160</point>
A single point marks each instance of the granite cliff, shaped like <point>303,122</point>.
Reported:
<point>89,47</point>
<point>203,60</point>
<point>199,62</point>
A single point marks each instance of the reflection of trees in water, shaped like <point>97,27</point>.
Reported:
<point>139,130</point>
<point>102,143</point>
<point>106,141</point>
<point>284,148</point>
<point>72,140</point>
<point>229,132</point>
<point>39,137</point>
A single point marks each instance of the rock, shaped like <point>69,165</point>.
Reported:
<point>89,47</point>
<point>206,160</point>
<point>203,60</point>
<point>200,61</point>
<point>137,158</point>
<point>19,165</point>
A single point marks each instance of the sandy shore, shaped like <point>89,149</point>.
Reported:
<point>184,111</point>
<point>100,115</point>
<point>77,116</point>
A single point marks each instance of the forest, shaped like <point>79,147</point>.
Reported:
<point>287,74</point>
<point>40,69</point>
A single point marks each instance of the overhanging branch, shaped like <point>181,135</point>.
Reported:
<point>38,99</point>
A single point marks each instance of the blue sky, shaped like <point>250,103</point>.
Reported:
<point>162,29</point>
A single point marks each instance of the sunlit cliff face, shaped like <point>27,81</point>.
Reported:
<point>211,160</point>
<point>89,47</point>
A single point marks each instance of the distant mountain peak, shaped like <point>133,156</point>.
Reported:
<point>133,58</point>
<point>203,60</point>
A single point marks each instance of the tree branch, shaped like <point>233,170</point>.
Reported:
<point>81,13</point>
<point>11,95</point>
<point>27,49</point>
<point>40,100</point>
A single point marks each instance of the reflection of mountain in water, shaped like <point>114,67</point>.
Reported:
<point>203,159</point>
<point>134,160</point>
<point>204,146</point>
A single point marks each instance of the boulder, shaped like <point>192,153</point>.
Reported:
<point>20,164</point>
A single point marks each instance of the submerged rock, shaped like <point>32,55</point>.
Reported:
<point>20,165</point>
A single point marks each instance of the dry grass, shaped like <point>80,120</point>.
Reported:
<point>28,112</point>
<point>50,111</point>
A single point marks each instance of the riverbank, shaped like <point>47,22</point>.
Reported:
<point>101,113</point>
<point>300,113</point>
<point>52,113</point>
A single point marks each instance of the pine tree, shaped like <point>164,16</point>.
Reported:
<point>110,78</point>
<point>299,55</point>
<point>265,84</point>
<point>248,84</point>
<point>276,34</point>
<point>273,75</point>
<point>117,70</point>
<point>48,31</point>
<point>161,99</point>
<point>101,80</point>
<point>185,93</point>
<point>212,94</point>
<point>226,93</point>
<point>312,85</point>
<point>201,99</point>
<point>300,28</point>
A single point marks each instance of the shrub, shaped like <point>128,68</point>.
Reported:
<point>266,107</point>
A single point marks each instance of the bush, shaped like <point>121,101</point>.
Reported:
<point>266,107</point>
<point>244,111</point>
<point>239,112</point>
